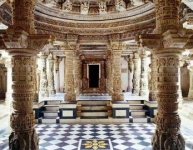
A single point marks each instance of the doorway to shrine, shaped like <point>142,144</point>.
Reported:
<point>93,76</point>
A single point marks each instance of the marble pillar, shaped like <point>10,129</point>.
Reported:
<point>9,82</point>
<point>144,88</point>
<point>167,43</point>
<point>64,90</point>
<point>23,135</point>
<point>109,75</point>
<point>22,43</point>
<point>43,92</point>
<point>57,61</point>
<point>69,76</point>
<point>136,74</point>
<point>190,93</point>
<point>51,86</point>
<point>167,134</point>
<point>130,73</point>
<point>116,73</point>
<point>77,74</point>
<point>153,81</point>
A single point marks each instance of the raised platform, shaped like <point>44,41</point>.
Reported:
<point>94,107</point>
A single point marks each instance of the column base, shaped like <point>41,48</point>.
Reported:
<point>70,97</point>
<point>52,92</point>
<point>24,141</point>
<point>167,141</point>
<point>135,92</point>
<point>144,93</point>
<point>117,97</point>
<point>190,95</point>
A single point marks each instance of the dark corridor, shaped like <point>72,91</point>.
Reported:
<point>93,76</point>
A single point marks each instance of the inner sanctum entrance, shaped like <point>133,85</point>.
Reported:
<point>93,76</point>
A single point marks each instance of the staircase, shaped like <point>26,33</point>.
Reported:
<point>93,109</point>
<point>50,113</point>
<point>137,112</point>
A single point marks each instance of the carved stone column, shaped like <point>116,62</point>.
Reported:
<point>168,42</point>
<point>64,90</point>
<point>153,82</point>
<point>190,93</point>
<point>51,87</point>
<point>69,76</point>
<point>23,44</point>
<point>9,82</point>
<point>109,75</point>
<point>116,64</point>
<point>144,89</point>
<point>43,78</point>
<point>167,135</point>
<point>136,74</point>
<point>130,73</point>
<point>57,61</point>
<point>77,74</point>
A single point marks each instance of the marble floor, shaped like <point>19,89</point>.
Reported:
<point>124,136</point>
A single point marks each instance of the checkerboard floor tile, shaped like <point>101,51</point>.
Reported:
<point>125,136</point>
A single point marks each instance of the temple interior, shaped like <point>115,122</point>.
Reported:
<point>96,74</point>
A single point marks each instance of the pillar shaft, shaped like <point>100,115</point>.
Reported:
<point>153,86</point>
<point>109,76</point>
<point>167,16</point>
<point>23,134</point>
<point>23,15</point>
<point>130,73</point>
<point>77,74</point>
<point>51,87</point>
<point>69,76</point>
<point>144,89</point>
<point>117,87</point>
<point>190,93</point>
<point>43,78</point>
<point>167,135</point>
<point>136,74</point>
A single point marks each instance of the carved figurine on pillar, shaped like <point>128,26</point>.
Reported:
<point>23,44</point>
<point>168,51</point>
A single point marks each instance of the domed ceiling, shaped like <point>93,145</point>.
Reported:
<point>93,7</point>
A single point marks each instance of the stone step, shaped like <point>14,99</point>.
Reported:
<point>53,102</point>
<point>138,112</point>
<point>94,117</point>
<point>48,120</point>
<point>52,107</point>
<point>96,113</point>
<point>96,107</point>
<point>134,101</point>
<point>50,113</point>
<point>136,106</point>
<point>93,102</point>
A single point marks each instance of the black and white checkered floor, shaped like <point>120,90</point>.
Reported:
<point>123,136</point>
